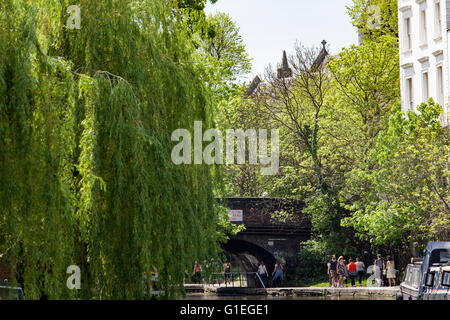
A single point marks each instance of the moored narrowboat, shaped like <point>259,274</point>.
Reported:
<point>437,283</point>
<point>428,280</point>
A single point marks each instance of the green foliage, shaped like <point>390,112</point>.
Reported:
<point>224,43</point>
<point>225,228</point>
<point>367,78</point>
<point>365,89</point>
<point>370,177</point>
<point>402,190</point>
<point>329,119</point>
<point>222,52</point>
<point>36,95</point>
<point>85,123</point>
<point>193,4</point>
<point>313,257</point>
<point>238,112</point>
<point>365,18</point>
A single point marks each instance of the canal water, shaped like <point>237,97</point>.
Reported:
<point>200,297</point>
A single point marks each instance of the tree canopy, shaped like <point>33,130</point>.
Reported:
<point>402,192</point>
<point>371,177</point>
<point>85,122</point>
<point>374,18</point>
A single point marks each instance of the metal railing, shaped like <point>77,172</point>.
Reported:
<point>236,280</point>
<point>10,292</point>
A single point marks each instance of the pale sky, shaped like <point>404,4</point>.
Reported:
<point>270,26</point>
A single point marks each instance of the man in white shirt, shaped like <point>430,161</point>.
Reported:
<point>262,272</point>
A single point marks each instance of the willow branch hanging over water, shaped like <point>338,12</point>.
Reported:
<point>85,122</point>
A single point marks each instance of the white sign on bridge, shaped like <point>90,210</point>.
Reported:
<point>236,215</point>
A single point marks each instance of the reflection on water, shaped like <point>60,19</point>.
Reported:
<point>199,296</point>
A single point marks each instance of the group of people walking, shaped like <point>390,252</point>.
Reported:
<point>277,274</point>
<point>198,270</point>
<point>385,270</point>
<point>339,271</point>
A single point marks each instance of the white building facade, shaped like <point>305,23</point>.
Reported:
<point>424,53</point>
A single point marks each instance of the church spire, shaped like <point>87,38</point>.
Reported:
<point>285,61</point>
<point>321,58</point>
<point>284,71</point>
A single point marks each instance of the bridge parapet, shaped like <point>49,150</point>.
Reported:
<point>270,212</point>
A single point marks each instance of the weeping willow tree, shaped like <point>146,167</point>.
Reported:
<point>86,177</point>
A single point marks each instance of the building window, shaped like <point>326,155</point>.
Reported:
<point>409,94</point>
<point>408,43</point>
<point>437,20</point>
<point>425,86</point>
<point>440,86</point>
<point>423,27</point>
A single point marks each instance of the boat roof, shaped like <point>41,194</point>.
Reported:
<point>438,245</point>
<point>436,252</point>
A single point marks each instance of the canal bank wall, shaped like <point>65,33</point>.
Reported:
<point>354,292</point>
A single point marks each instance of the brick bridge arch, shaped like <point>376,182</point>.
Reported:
<point>274,229</point>
<point>248,255</point>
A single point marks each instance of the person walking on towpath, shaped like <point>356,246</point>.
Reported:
<point>341,271</point>
<point>332,270</point>
<point>351,269</point>
<point>329,274</point>
<point>360,270</point>
<point>197,273</point>
<point>390,271</point>
<point>227,272</point>
<point>379,263</point>
<point>277,274</point>
<point>263,274</point>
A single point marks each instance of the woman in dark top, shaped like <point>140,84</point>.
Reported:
<point>360,270</point>
<point>332,267</point>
